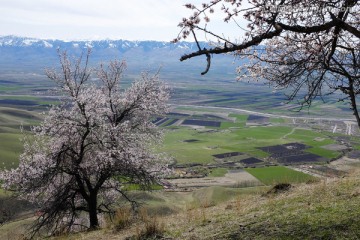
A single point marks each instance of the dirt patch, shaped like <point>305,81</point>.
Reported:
<point>328,171</point>
<point>251,161</point>
<point>292,153</point>
<point>191,140</point>
<point>354,154</point>
<point>257,120</point>
<point>335,147</point>
<point>345,164</point>
<point>203,123</point>
<point>284,148</point>
<point>301,158</point>
<point>227,155</point>
<point>280,188</point>
<point>231,179</point>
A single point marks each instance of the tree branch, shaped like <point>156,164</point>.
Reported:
<point>255,41</point>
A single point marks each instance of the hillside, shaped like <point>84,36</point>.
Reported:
<point>327,209</point>
<point>324,210</point>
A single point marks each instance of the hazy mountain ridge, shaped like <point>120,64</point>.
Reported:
<point>33,55</point>
<point>15,41</point>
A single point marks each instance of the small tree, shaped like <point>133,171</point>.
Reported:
<point>97,140</point>
<point>309,44</point>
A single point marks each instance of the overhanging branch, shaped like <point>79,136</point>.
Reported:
<point>255,41</point>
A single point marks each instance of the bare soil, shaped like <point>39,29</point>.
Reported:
<point>232,178</point>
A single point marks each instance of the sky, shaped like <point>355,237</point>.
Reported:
<point>93,19</point>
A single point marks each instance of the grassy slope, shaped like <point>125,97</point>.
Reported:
<point>323,210</point>
<point>317,211</point>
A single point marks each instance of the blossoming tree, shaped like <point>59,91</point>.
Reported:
<point>87,148</point>
<point>294,44</point>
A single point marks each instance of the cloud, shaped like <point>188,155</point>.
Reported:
<point>88,19</point>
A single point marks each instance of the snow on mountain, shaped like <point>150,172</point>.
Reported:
<point>47,44</point>
<point>14,41</point>
<point>31,54</point>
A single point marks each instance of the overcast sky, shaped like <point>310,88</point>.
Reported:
<point>93,19</point>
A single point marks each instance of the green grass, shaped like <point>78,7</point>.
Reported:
<point>278,174</point>
<point>239,117</point>
<point>10,149</point>
<point>218,172</point>
<point>5,89</point>
<point>240,121</point>
<point>225,125</point>
<point>21,97</point>
<point>307,137</point>
<point>15,118</point>
<point>11,120</point>
<point>246,140</point>
<point>136,187</point>
<point>214,195</point>
<point>4,193</point>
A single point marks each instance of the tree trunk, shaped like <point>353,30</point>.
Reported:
<point>353,101</point>
<point>94,222</point>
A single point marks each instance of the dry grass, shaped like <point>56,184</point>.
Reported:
<point>325,210</point>
<point>322,210</point>
<point>152,227</point>
<point>123,218</point>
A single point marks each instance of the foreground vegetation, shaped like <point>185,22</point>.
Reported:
<point>322,210</point>
<point>326,210</point>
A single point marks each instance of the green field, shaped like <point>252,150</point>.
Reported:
<point>218,172</point>
<point>245,140</point>
<point>230,137</point>
<point>11,121</point>
<point>10,149</point>
<point>307,137</point>
<point>278,174</point>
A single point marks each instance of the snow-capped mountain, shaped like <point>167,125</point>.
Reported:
<point>14,41</point>
<point>33,55</point>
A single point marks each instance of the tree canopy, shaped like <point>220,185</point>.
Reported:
<point>88,148</point>
<point>293,44</point>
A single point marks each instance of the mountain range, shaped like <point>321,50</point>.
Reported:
<point>31,54</point>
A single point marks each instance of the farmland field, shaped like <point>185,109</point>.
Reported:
<point>11,120</point>
<point>279,174</point>
<point>245,140</point>
<point>10,148</point>
<point>203,123</point>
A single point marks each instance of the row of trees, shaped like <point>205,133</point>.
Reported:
<point>308,44</point>
<point>98,140</point>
